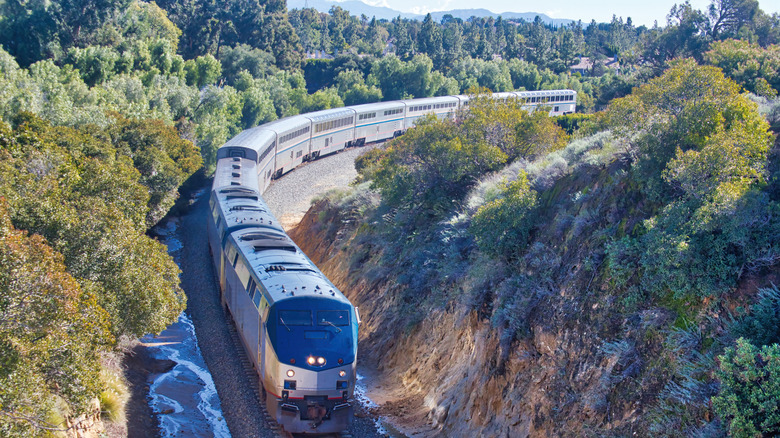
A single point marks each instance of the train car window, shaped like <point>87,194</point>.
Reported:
<point>295,317</point>
<point>235,260</point>
<point>333,317</point>
<point>256,299</point>
<point>252,287</point>
<point>266,152</point>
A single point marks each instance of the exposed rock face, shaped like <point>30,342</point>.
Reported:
<point>553,382</point>
<point>87,425</point>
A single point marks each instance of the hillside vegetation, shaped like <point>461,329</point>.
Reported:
<point>516,281</point>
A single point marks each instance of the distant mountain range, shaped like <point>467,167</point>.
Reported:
<point>358,8</point>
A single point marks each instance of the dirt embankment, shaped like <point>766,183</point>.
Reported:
<point>449,374</point>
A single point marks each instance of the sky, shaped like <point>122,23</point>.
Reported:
<point>642,12</point>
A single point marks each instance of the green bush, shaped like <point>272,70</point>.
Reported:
<point>501,227</point>
<point>749,398</point>
<point>762,325</point>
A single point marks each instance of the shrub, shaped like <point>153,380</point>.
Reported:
<point>749,398</point>
<point>501,227</point>
<point>762,325</point>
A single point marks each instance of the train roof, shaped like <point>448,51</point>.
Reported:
<point>281,267</point>
<point>288,123</point>
<point>236,172</point>
<point>430,100</point>
<point>545,93</point>
<point>378,106</point>
<point>253,138</point>
<point>330,114</point>
<point>241,208</point>
<point>241,204</point>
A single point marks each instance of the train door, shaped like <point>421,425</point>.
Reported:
<point>262,320</point>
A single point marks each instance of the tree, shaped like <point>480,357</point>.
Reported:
<point>51,336</point>
<point>147,21</point>
<point>727,17</point>
<point>164,159</point>
<point>431,168</point>
<point>203,70</point>
<point>84,196</point>
<point>684,110</point>
<point>755,68</point>
<point>700,149</point>
<point>685,35</point>
<point>242,57</point>
<point>38,30</point>
<point>353,89</point>
<point>430,40</point>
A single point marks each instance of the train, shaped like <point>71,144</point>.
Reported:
<point>299,330</point>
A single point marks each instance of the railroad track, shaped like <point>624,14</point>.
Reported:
<point>254,383</point>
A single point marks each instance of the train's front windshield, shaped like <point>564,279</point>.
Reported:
<point>295,317</point>
<point>322,328</point>
<point>337,318</point>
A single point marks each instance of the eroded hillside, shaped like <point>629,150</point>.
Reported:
<point>591,291</point>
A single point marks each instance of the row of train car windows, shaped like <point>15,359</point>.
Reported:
<point>295,134</point>
<point>333,124</point>
<point>436,106</point>
<point>266,152</point>
<point>366,116</point>
<point>394,111</point>
<point>541,99</point>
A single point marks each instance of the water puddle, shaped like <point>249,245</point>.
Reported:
<point>383,426</point>
<point>185,398</point>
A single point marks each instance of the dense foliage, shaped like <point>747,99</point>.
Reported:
<point>51,334</point>
<point>660,206</point>
<point>501,226</point>
<point>688,32</point>
<point>432,167</point>
<point>750,389</point>
<point>89,273</point>
<point>701,149</point>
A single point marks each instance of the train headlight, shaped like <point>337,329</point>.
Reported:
<point>290,373</point>
<point>311,360</point>
<point>320,361</point>
<point>342,373</point>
